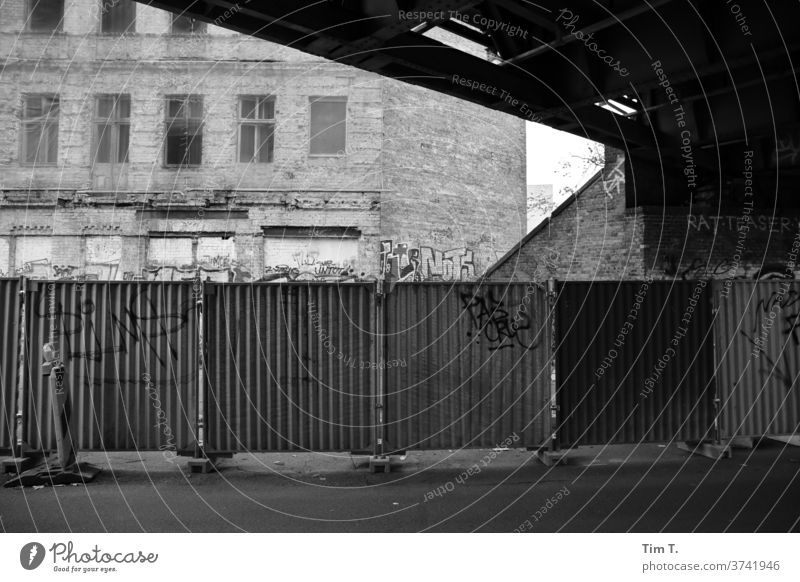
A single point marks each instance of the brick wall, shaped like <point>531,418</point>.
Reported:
<point>589,236</point>
<point>455,179</point>
<point>400,177</point>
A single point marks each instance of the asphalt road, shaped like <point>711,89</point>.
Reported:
<point>613,489</point>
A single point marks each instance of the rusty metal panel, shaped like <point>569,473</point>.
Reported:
<point>758,350</point>
<point>289,366</point>
<point>635,362</point>
<point>130,351</point>
<point>469,365</point>
<point>9,353</point>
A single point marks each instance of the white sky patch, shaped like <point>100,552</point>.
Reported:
<point>547,148</point>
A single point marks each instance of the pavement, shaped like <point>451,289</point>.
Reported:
<point>619,488</point>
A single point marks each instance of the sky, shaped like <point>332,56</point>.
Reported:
<point>547,149</point>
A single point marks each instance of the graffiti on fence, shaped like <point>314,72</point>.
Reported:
<point>141,321</point>
<point>490,319</point>
<point>787,302</point>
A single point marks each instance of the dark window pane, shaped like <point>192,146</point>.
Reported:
<point>247,143</point>
<point>45,15</point>
<point>52,143</point>
<point>265,145</point>
<point>248,107</point>
<point>105,106</point>
<point>119,16</point>
<point>194,155</point>
<point>33,107</point>
<point>124,106</point>
<point>184,143</point>
<point>32,136</point>
<point>175,108</point>
<point>195,108</point>
<point>103,147</point>
<point>266,109</point>
<point>328,127</point>
<point>124,131</point>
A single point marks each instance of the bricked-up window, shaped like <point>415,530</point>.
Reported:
<point>328,135</point>
<point>40,129</point>
<point>118,16</point>
<point>182,24</point>
<point>184,130</point>
<point>112,129</point>
<point>256,129</point>
<point>45,15</point>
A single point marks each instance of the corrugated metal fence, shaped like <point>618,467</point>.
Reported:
<point>758,354</point>
<point>289,366</point>
<point>636,362</point>
<point>130,352</point>
<point>10,313</point>
<point>468,365</point>
<point>338,367</point>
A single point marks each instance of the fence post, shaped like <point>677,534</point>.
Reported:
<point>19,416</point>
<point>22,458</point>
<point>713,300</point>
<point>554,416</point>
<point>553,454</point>
<point>201,463</point>
<point>379,459</point>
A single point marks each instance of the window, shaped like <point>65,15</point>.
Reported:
<point>328,126</point>
<point>256,129</point>
<point>187,25</point>
<point>45,15</point>
<point>118,16</point>
<point>184,130</point>
<point>112,129</point>
<point>40,129</point>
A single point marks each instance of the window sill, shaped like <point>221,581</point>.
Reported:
<point>335,156</point>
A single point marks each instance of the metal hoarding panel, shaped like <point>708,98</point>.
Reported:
<point>758,350</point>
<point>470,365</point>
<point>635,362</point>
<point>289,366</point>
<point>9,353</point>
<point>130,351</point>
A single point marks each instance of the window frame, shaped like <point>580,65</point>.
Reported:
<point>168,121</point>
<point>29,7</point>
<point>43,123</point>
<point>259,124</point>
<point>114,3</point>
<point>341,153</point>
<point>115,122</point>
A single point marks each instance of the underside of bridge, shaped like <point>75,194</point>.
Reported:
<point>697,93</point>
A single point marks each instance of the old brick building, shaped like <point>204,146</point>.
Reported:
<point>596,234</point>
<point>138,144</point>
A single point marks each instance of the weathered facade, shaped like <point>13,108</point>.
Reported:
<point>148,147</point>
<point>595,235</point>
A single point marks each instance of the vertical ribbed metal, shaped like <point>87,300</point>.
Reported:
<point>289,367</point>
<point>131,364</point>
<point>9,368</point>
<point>612,387</point>
<point>758,348</point>
<point>468,376</point>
